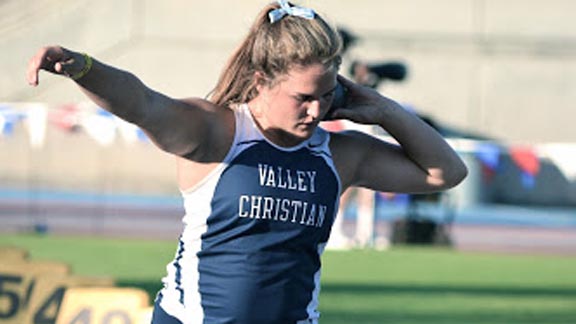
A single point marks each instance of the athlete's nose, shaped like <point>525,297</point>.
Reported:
<point>313,109</point>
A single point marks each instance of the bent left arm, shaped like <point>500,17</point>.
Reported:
<point>422,162</point>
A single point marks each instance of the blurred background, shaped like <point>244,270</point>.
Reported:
<point>495,77</point>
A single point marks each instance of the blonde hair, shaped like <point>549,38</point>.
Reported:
<point>272,49</point>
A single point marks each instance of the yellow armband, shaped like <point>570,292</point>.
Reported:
<point>85,69</point>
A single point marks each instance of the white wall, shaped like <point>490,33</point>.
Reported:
<point>505,68</point>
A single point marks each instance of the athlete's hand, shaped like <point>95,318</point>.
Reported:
<point>54,59</point>
<point>364,105</point>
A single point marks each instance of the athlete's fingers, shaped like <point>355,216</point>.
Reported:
<point>34,68</point>
<point>49,59</point>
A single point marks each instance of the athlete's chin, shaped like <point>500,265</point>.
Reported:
<point>307,128</point>
<point>305,131</point>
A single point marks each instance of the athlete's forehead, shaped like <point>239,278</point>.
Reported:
<point>310,79</point>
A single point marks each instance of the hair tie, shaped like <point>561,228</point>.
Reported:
<point>286,9</point>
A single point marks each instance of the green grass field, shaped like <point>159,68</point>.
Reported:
<point>401,285</point>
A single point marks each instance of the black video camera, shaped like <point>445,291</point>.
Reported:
<point>372,74</point>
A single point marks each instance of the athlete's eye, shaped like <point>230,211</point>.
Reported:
<point>304,98</point>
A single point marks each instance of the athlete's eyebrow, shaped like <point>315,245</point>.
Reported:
<point>307,95</point>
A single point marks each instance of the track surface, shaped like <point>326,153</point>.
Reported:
<point>485,229</point>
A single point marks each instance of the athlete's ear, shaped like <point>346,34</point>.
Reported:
<point>260,80</point>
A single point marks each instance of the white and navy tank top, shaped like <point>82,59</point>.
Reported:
<point>255,229</point>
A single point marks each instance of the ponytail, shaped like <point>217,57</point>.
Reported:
<point>272,49</point>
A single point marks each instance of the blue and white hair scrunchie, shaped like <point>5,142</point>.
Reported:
<point>286,9</point>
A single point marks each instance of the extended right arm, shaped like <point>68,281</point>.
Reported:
<point>177,126</point>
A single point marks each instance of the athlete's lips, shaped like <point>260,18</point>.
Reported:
<point>309,124</point>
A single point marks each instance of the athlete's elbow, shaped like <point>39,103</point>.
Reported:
<point>446,178</point>
<point>457,175</point>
